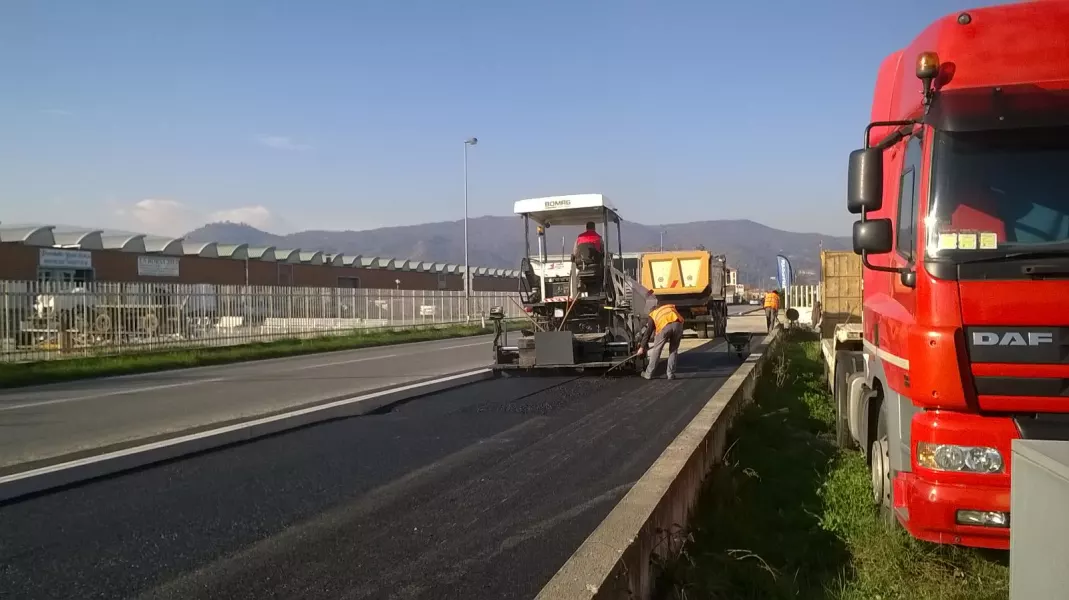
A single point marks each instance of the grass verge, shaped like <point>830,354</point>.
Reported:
<point>53,371</point>
<point>789,515</point>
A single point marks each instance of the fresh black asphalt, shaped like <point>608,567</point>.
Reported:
<point>477,492</point>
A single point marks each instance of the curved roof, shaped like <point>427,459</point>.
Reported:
<point>204,249</point>
<point>112,239</point>
<point>234,251</point>
<point>312,257</point>
<point>31,235</point>
<point>134,243</point>
<point>264,253</point>
<point>88,239</point>
<point>288,256</point>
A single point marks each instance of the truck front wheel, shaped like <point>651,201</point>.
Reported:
<point>880,470</point>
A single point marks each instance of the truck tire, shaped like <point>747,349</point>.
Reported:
<point>847,363</point>
<point>880,472</point>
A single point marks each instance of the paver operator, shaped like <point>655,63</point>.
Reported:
<point>590,236</point>
<point>666,325</point>
<point>771,309</point>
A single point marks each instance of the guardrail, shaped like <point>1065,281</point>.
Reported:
<point>48,320</point>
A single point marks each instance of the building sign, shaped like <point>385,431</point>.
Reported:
<point>57,258</point>
<point>157,266</point>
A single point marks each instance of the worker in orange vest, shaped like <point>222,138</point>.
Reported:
<point>666,325</point>
<point>771,309</point>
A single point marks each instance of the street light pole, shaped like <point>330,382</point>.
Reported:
<point>467,267</point>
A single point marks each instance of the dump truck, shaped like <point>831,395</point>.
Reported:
<point>695,281</point>
<point>959,190</point>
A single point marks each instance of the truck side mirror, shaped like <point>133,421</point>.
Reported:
<point>873,236</point>
<point>865,181</point>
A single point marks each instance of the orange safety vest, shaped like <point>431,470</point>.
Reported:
<point>663,315</point>
<point>772,300</point>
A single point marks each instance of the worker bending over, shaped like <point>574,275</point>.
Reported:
<point>771,309</point>
<point>666,325</point>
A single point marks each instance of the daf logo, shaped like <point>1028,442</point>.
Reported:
<point>1011,338</point>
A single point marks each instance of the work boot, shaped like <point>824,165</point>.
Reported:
<point>646,375</point>
<point>671,376</point>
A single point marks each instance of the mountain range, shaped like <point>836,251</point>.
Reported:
<point>498,242</point>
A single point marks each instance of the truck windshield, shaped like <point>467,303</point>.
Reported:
<point>998,191</point>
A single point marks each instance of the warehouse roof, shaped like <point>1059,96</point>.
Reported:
<point>55,236</point>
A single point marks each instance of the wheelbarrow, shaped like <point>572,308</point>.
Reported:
<point>739,342</point>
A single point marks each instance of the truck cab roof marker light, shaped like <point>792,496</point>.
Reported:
<point>927,71</point>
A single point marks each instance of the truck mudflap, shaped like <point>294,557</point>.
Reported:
<point>934,512</point>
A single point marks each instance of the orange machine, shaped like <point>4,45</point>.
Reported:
<point>695,281</point>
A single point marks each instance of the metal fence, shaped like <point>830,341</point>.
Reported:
<point>803,298</point>
<point>48,320</point>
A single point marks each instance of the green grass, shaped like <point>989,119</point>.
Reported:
<point>789,515</point>
<point>52,371</point>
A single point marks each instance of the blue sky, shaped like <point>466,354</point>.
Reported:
<point>351,114</point>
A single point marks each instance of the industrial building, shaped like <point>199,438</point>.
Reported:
<point>50,253</point>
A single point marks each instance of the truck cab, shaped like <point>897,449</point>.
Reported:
<point>962,188</point>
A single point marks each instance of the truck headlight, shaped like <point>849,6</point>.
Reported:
<point>964,459</point>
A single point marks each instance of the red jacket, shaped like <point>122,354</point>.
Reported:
<point>590,237</point>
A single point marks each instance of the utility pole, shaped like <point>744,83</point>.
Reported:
<point>467,267</point>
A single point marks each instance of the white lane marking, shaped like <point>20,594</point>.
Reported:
<point>455,347</point>
<point>235,427</point>
<point>206,368</point>
<point>108,394</point>
<point>367,358</point>
<point>342,362</point>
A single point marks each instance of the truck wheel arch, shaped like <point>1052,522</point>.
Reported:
<point>871,405</point>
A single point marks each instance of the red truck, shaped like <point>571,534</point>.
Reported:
<point>962,187</point>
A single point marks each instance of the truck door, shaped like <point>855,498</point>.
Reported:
<point>909,196</point>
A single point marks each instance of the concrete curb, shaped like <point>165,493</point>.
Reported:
<point>74,471</point>
<point>615,560</point>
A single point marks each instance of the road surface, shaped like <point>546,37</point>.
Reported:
<point>68,419</point>
<point>48,424</point>
<point>741,309</point>
<point>478,492</point>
